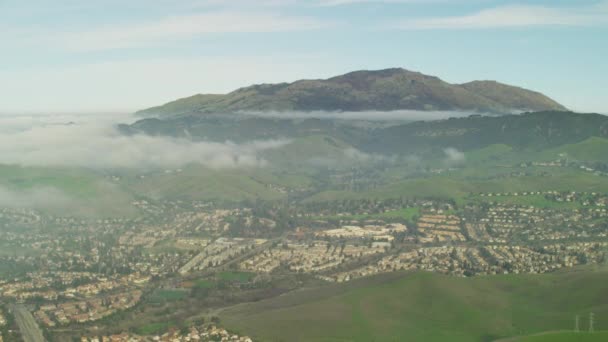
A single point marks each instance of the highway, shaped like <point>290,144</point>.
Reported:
<point>30,331</point>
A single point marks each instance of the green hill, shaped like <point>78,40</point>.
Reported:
<point>427,307</point>
<point>80,192</point>
<point>529,131</point>
<point>383,90</point>
<point>565,337</point>
<point>201,183</point>
<point>591,149</point>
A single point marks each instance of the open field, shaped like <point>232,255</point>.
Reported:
<point>459,188</point>
<point>162,296</point>
<point>199,183</point>
<point>70,191</point>
<point>427,307</point>
<point>566,337</point>
<point>591,149</point>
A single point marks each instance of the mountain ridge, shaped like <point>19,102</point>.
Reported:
<point>363,90</point>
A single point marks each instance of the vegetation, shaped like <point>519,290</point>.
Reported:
<point>163,296</point>
<point>427,307</point>
<point>566,337</point>
<point>390,89</point>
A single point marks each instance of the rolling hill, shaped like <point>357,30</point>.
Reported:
<point>381,90</point>
<point>533,131</point>
<point>427,307</point>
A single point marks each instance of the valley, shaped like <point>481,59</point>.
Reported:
<point>324,226</point>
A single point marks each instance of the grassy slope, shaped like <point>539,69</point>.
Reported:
<point>427,307</point>
<point>592,149</point>
<point>199,183</point>
<point>74,182</point>
<point>566,337</point>
<point>302,153</point>
<point>458,188</point>
<point>88,193</point>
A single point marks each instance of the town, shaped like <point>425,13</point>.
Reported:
<point>84,272</point>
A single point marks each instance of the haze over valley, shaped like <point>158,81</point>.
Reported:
<point>303,171</point>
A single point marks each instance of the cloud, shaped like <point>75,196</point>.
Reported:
<point>99,145</point>
<point>453,156</point>
<point>396,115</point>
<point>184,27</point>
<point>350,157</point>
<point>331,3</point>
<point>362,157</point>
<point>41,197</point>
<point>514,16</point>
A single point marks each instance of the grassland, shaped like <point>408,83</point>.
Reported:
<point>200,183</point>
<point>494,168</point>
<point>154,328</point>
<point>566,337</point>
<point>590,150</point>
<point>85,192</point>
<point>163,296</point>
<point>459,188</point>
<point>427,307</point>
<point>241,277</point>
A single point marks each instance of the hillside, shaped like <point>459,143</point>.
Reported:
<point>426,307</point>
<point>534,131</point>
<point>565,337</point>
<point>382,90</point>
<point>592,149</point>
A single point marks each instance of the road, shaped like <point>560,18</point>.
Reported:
<point>30,331</point>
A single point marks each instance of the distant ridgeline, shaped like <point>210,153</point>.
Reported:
<point>382,90</point>
<point>530,131</point>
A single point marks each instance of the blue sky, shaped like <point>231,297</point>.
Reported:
<point>121,55</point>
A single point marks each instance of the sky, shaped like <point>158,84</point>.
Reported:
<point>74,56</point>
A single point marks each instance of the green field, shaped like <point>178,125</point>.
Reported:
<point>163,296</point>
<point>460,188</point>
<point>200,183</point>
<point>83,192</point>
<point>592,149</point>
<point>241,277</point>
<point>204,284</point>
<point>427,307</point>
<point>566,337</point>
<point>154,328</point>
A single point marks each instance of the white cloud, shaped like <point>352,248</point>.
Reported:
<point>97,144</point>
<point>183,27</point>
<point>453,156</point>
<point>514,16</point>
<point>330,3</point>
<point>41,197</point>
<point>362,157</point>
<point>395,115</point>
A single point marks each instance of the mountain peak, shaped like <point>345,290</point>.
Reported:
<point>363,90</point>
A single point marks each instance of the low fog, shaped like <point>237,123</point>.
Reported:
<point>453,156</point>
<point>40,197</point>
<point>92,141</point>
<point>397,115</point>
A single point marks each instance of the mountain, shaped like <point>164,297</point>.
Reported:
<point>382,90</point>
<point>527,131</point>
